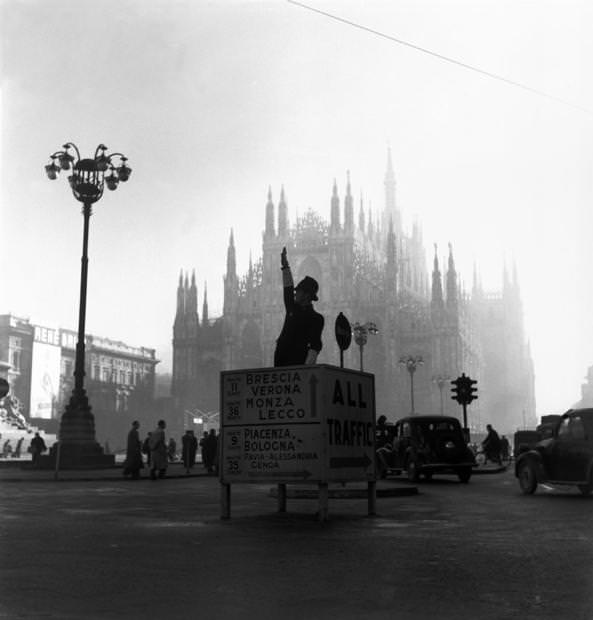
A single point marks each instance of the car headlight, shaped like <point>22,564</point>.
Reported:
<point>450,445</point>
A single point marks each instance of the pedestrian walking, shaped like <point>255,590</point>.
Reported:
<point>189,447</point>
<point>204,451</point>
<point>146,447</point>
<point>300,339</point>
<point>6,449</point>
<point>158,452</point>
<point>212,451</point>
<point>133,463</point>
<point>19,448</point>
<point>172,450</point>
<point>37,448</point>
<point>505,448</point>
<point>491,445</point>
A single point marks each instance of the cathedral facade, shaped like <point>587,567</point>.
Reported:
<point>371,270</point>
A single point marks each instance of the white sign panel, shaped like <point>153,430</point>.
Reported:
<point>303,423</point>
<point>45,379</point>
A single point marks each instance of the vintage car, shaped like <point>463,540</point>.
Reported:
<point>565,458</point>
<point>431,444</point>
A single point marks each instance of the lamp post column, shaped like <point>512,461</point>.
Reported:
<point>412,370</point>
<point>77,446</point>
<point>79,371</point>
<point>411,363</point>
<point>78,424</point>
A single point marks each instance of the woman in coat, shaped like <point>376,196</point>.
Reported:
<point>133,463</point>
<point>158,451</point>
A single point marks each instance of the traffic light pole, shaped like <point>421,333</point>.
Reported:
<point>465,428</point>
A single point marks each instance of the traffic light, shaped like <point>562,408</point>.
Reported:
<point>464,391</point>
<point>471,390</point>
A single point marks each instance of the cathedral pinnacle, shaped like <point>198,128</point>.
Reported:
<point>269,215</point>
<point>335,210</point>
<point>282,215</point>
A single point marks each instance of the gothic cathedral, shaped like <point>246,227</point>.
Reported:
<point>371,270</point>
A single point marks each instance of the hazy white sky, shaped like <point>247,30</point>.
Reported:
<point>214,101</point>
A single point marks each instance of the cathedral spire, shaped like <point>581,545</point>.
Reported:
<point>231,260</point>
<point>391,210</point>
<point>205,306</point>
<point>348,208</point>
<point>451,280</point>
<point>180,296</point>
<point>270,215</point>
<point>282,215</point>
<point>361,223</point>
<point>192,296</point>
<point>230,278</point>
<point>335,210</point>
<point>437,283</point>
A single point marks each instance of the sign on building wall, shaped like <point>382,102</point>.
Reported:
<point>297,424</point>
<point>45,379</point>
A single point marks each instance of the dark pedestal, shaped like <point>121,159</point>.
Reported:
<point>82,455</point>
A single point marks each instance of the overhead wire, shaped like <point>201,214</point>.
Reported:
<point>425,50</point>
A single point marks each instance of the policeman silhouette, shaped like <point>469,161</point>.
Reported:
<point>300,339</point>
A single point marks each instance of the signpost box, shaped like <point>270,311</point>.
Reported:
<point>297,424</point>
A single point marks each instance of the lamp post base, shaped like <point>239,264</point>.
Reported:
<point>77,447</point>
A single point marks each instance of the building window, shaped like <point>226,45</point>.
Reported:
<point>105,374</point>
<point>16,360</point>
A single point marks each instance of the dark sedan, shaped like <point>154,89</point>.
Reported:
<point>565,458</point>
<point>430,444</point>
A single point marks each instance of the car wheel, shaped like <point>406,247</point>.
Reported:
<point>412,470</point>
<point>464,475</point>
<point>527,477</point>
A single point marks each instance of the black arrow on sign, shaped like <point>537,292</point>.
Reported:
<point>280,474</point>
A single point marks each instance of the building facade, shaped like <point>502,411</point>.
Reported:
<point>370,269</point>
<point>119,379</point>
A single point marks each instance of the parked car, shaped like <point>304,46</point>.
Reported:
<point>565,458</point>
<point>424,445</point>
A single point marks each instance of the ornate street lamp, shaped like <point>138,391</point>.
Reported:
<point>361,334</point>
<point>77,445</point>
<point>441,381</point>
<point>411,363</point>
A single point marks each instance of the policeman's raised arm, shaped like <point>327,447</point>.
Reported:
<point>287,280</point>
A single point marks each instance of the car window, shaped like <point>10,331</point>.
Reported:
<point>577,428</point>
<point>406,429</point>
<point>564,428</point>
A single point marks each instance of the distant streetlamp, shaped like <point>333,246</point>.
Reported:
<point>77,445</point>
<point>411,363</point>
<point>361,334</point>
<point>441,381</point>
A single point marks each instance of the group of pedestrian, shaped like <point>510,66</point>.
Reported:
<point>158,452</point>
